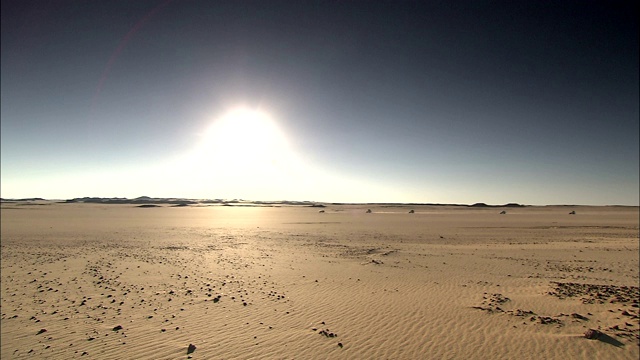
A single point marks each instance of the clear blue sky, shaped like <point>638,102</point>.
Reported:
<point>534,102</point>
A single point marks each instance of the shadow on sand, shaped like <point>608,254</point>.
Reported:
<point>609,340</point>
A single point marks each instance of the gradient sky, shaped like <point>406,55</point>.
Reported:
<point>534,102</point>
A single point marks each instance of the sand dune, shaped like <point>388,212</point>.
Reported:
<point>117,281</point>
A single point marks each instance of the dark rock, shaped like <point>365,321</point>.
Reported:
<point>42,331</point>
<point>592,334</point>
<point>116,328</point>
<point>578,316</point>
<point>191,349</point>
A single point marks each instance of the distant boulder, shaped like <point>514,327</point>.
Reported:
<point>502,212</point>
<point>572,213</point>
<point>411,212</point>
<point>368,211</point>
<point>321,211</point>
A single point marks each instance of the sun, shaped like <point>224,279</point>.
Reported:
<point>244,140</point>
<point>246,154</point>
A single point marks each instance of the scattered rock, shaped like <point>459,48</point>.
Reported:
<point>191,349</point>
<point>592,334</point>
<point>594,293</point>
<point>578,316</point>
<point>42,331</point>
<point>116,328</point>
<point>327,333</point>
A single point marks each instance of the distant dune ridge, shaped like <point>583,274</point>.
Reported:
<point>244,202</point>
<point>184,201</point>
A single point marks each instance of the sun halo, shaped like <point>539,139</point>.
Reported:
<point>244,140</point>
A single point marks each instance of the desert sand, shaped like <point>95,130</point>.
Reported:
<point>124,282</point>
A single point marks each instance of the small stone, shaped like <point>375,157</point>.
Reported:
<point>340,345</point>
<point>191,349</point>
<point>42,331</point>
<point>116,328</point>
<point>578,316</point>
<point>592,334</point>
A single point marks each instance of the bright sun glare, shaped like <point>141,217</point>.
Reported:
<point>244,140</point>
<point>245,154</point>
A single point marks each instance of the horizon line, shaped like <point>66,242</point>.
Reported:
<point>180,200</point>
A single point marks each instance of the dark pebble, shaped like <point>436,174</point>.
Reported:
<point>592,334</point>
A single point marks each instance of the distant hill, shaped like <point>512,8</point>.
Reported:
<point>138,200</point>
<point>141,200</point>
<point>25,199</point>
<point>483,205</point>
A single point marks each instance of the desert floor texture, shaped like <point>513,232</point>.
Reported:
<point>119,281</point>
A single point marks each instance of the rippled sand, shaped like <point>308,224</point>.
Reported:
<point>117,281</point>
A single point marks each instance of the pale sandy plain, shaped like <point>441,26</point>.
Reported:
<point>122,282</point>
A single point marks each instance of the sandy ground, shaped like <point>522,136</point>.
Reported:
<point>118,281</point>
